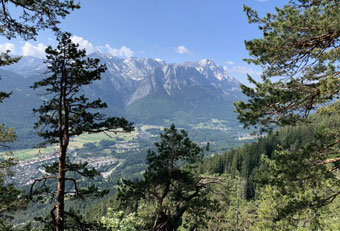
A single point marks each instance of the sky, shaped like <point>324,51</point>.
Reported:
<point>172,30</point>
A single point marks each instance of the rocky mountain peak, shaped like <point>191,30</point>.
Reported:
<point>134,78</point>
<point>147,90</point>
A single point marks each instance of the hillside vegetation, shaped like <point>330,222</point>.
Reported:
<point>243,199</point>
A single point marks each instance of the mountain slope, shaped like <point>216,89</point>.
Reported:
<point>143,90</point>
<point>147,90</point>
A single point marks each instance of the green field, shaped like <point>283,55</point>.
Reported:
<point>218,127</point>
<point>76,142</point>
<point>212,124</point>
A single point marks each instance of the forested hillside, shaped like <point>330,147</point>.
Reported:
<point>247,161</point>
<point>242,198</point>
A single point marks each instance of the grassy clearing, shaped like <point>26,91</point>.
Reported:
<point>27,154</point>
<point>212,124</point>
<point>247,138</point>
<point>76,142</point>
<point>146,127</point>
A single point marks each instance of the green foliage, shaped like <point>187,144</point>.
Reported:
<point>115,220</point>
<point>33,16</point>
<point>11,197</point>
<point>245,161</point>
<point>291,187</point>
<point>283,203</point>
<point>307,175</point>
<point>72,223</point>
<point>172,189</point>
<point>71,71</point>
<point>300,46</point>
<point>272,200</point>
<point>65,114</point>
<point>231,211</point>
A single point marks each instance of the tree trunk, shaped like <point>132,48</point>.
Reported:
<point>63,144</point>
<point>61,190</point>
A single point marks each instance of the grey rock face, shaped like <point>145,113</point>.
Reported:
<point>138,86</point>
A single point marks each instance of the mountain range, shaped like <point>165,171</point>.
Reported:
<point>142,89</point>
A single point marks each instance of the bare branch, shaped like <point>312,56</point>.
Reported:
<point>39,180</point>
<point>75,187</point>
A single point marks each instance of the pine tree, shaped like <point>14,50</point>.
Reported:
<point>67,113</point>
<point>10,197</point>
<point>34,16</point>
<point>170,182</point>
<point>300,50</point>
<point>235,212</point>
<point>299,46</point>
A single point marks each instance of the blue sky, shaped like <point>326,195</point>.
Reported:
<point>171,30</point>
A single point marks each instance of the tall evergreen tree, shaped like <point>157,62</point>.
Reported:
<point>34,16</point>
<point>300,50</point>
<point>170,182</point>
<point>67,113</point>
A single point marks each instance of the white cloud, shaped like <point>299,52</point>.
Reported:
<point>122,52</point>
<point>182,50</point>
<point>229,62</point>
<point>7,46</point>
<point>242,70</point>
<point>159,60</point>
<point>30,50</point>
<point>83,44</point>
